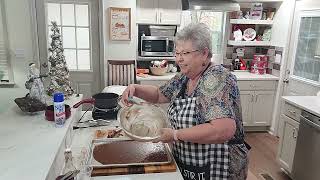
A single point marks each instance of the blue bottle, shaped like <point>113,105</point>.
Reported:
<point>59,109</point>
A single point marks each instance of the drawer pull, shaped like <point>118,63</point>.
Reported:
<point>293,112</point>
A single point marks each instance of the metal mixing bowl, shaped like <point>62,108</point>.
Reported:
<point>142,122</point>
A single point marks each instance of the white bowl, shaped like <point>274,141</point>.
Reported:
<point>142,122</point>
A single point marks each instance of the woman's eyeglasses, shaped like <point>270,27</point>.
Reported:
<point>184,53</point>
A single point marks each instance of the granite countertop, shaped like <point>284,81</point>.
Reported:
<point>29,143</point>
<point>308,103</point>
<point>241,76</point>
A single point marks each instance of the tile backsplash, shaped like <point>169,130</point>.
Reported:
<point>274,56</point>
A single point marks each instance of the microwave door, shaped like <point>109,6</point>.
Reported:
<point>156,46</point>
<point>153,47</point>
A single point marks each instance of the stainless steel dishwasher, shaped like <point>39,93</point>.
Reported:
<point>306,163</point>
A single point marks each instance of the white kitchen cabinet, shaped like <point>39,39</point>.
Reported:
<point>147,11</point>
<point>262,108</point>
<point>257,98</point>
<point>288,140</point>
<point>159,12</point>
<point>257,107</point>
<point>289,129</point>
<point>246,105</point>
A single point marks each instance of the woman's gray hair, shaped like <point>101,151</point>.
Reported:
<point>199,34</point>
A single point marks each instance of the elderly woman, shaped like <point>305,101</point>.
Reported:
<point>204,112</point>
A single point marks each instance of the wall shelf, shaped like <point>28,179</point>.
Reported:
<point>249,43</point>
<point>251,21</point>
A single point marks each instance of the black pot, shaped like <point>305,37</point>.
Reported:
<point>101,101</point>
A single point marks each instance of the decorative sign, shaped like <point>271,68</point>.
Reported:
<point>120,24</point>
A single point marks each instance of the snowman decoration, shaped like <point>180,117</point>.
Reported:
<point>35,84</point>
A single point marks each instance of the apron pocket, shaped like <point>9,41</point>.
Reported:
<point>190,172</point>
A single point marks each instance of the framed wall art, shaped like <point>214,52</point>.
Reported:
<point>120,24</point>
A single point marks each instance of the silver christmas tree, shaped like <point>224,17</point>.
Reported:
<point>59,72</point>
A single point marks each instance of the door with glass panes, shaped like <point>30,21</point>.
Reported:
<point>78,23</point>
<point>303,66</point>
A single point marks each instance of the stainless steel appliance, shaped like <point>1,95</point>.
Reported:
<point>306,163</point>
<point>213,5</point>
<point>157,46</point>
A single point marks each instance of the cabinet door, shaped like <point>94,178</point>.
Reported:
<point>147,11</point>
<point>262,108</point>
<point>246,98</point>
<point>288,140</point>
<point>169,12</point>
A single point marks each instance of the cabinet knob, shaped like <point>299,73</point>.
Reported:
<point>295,133</point>
<point>293,112</point>
<point>252,98</point>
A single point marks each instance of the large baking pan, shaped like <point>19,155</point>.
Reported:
<point>95,164</point>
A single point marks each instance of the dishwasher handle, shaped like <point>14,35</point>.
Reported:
<point>310,123</point>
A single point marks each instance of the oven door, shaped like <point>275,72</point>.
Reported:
<point>157,46</point>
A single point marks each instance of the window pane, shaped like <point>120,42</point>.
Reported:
<point>84,60</point>
<point>214,20</point>
<point>69,39</point>
<point>83,37</point>
<point>68,14</point>
<point>54,13</point>
<point>307,61</point>
<point>71,58</point>
<point>82,15</point>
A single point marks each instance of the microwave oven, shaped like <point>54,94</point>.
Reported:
<point>157,46</point>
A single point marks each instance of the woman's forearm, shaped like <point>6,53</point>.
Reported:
<point>217,131</point>
<point>147,92</point>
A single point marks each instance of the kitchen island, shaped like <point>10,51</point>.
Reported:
<point>32,147</point>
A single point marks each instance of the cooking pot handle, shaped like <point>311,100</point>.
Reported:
<point>89,100</point>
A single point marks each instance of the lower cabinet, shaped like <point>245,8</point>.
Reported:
<point>257,107</point>
<point>288,140</point>
<point>289,130</point>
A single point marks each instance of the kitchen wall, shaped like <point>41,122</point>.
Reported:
<point>281,22</point>
<point>119,50</point>
<point>19,35</point>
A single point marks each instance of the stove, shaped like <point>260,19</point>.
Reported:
<point>107,114</point>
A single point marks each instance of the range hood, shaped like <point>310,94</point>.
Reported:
<point>213,5</point>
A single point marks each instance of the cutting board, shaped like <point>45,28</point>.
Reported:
<point>134,170</point>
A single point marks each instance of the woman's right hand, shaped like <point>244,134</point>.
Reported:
<point>128,92</point>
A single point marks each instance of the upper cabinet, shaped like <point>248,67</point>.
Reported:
<point>159,12</point>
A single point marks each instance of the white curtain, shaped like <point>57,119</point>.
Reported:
<point>4,68</point>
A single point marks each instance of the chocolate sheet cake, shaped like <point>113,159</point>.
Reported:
<point>129,152</point>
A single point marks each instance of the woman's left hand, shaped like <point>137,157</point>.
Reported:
<point>166,135</point>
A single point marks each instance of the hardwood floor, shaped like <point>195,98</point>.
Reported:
<point>263,157</point>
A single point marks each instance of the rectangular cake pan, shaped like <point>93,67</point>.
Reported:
<point>95,164</point>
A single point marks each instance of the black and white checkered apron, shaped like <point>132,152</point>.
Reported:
<point>196,161</point>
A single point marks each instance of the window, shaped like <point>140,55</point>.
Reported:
<point>5,69</point>
<point>73,21</point>
<point>215,20</point>
<point>307,58</point>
